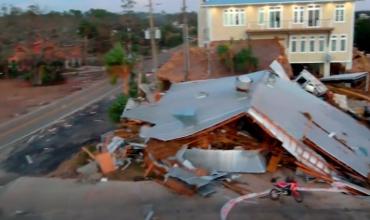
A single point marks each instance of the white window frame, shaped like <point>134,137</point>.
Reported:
<point>313,7</point>
<point>335,44</point>
<point>311,40</point>
<point>321,40</point>
<point>294,40</point>
<point>339,18</point>
<point>232,15</point>
<point>343,37</point>
<point>275,9</point>
<point>298,15</point>
<point>261,16</point>
<point>303,44</point>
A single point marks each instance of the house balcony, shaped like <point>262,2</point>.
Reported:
<point>290,27</point>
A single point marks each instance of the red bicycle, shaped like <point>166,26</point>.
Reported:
<point>287,189</point>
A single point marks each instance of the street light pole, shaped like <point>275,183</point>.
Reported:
<point>186,42</point>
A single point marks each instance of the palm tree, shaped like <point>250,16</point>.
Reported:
<point>120,65</point>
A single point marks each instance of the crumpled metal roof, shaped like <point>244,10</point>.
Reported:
<point>230,161</point>
<point>190,178</point>
<point>345,77</point>
<point>288,106</point>
<point>190,107</point>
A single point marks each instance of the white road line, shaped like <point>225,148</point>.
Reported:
<point>78,93</point>
<point>111,92</point>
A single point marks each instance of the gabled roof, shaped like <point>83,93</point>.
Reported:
<point>256,2</point>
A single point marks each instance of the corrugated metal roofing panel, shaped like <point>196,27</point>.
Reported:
<point>286,104</point>
<point>345,77</point>
<point>231,161</point>
<point>211,102</point>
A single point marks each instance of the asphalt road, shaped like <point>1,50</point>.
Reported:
<point>44,199</point>
<point>19,128</point>
<point>42,152</point>
<point>52,134</point>
<point>23,126</point>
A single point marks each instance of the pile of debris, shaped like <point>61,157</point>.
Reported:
<point>348,92</point>
<point>202,132</point>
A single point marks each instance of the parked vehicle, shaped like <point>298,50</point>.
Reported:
<point>287,188</point>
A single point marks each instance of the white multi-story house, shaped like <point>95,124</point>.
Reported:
<point>314,33</point>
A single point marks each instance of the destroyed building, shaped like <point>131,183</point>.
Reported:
<point>250,123</point>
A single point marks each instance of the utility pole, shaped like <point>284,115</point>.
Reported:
<point>152,39</point>
<point>186,42</point>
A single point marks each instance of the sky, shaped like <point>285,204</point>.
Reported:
<point>111,5</point>
<point>114,5</point>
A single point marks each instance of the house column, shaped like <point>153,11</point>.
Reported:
<point>348,66</point>
<point>325,69</point>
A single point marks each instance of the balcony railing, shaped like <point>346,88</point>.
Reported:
<point>290,24</point>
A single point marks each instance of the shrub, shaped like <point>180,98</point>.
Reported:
<point>245,60</point>
<point>51,73</point>
<point>222,51</point>
<point>27,76</point>
<point>117,108</point>
<point>225,53</point>
<point>13,70</point>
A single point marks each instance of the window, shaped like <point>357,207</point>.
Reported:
<point>312,44</point>
<point>261,16</point>
<point>343,43</point>
<point>298,14</point>
<point>275,17</point>
<point>293,46</point>
<point>303,44</point>
<point>322,43</point>
<point>333,43</point>
<point>313,160</point>
<point>306,155</point>
<point>234,17</point>
<point>339,13</point>
<point>313,16</point>
<point>301,80</point>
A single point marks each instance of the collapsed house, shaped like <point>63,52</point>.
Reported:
<point>237,123</point>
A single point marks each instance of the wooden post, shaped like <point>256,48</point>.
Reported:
<point>274,162</point>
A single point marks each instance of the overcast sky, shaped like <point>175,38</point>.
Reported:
<point>114,5</point>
